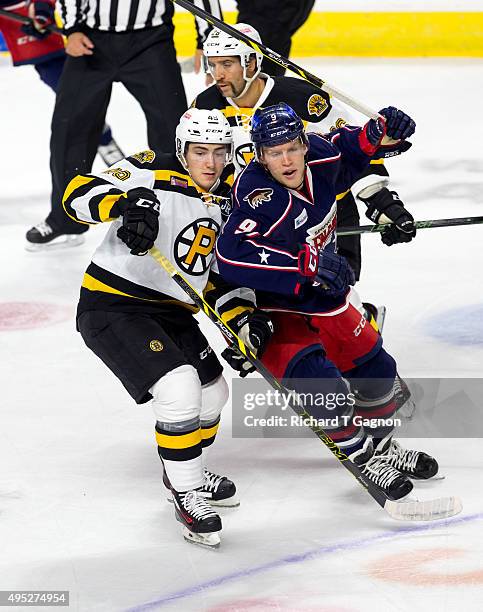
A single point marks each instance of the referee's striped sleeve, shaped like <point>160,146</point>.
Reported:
<point>72,12</point>
<point>203,28</point>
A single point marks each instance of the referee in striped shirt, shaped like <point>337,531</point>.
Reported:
<point>127,41</point>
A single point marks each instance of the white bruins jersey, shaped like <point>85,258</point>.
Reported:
<point>189,222</point>
<point>319,112</point>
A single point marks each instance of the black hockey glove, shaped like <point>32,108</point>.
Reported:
<point>330,273</point>
<point>387,204</point>
<point>255,329</point>
<point>140,211</point>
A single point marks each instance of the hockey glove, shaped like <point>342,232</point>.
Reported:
<point>43,14</point>
<point>396,125</point>
<point>385,206</point>
<point>399,126</point>
<point>330,273</point>
<point>255,330</point>
<point>140,211</point>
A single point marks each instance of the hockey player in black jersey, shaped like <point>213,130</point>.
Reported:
<point>137,320</point>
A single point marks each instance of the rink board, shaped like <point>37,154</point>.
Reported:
<point>375,34</point>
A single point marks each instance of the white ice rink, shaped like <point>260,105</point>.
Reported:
<point>82,505</point>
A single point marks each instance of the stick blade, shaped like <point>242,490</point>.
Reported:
<point>430,510</point>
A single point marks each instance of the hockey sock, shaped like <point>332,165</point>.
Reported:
<point>209,430</point>
<point>179,447</point>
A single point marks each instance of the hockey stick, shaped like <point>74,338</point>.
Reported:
<point>400,510</point>
<point>52,28</point>
<point>278,59</point>
<point>370,229</point>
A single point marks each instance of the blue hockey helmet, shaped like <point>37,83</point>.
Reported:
<point>276,125</point>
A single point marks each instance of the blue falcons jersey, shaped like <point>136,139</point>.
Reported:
<point>269,223</point>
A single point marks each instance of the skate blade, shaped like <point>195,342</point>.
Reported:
<point>380,318</point>
<point>62,242</point>
<point>207,540</point>
<point>407,410</point>
<point>411,509</point>
<point>232,502</point>
<point>437,477</point>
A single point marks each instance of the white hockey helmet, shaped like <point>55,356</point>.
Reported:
<point>204,126</point>
<point>221,44</point>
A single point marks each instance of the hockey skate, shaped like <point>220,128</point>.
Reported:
<point>200,523</point>
<point>376,467</point>
<point>411,463</point>
<point>376,315</point>
<point>217,490</point>
<point>43,237</point>
<point>405,405</point>
<point>110,153</point>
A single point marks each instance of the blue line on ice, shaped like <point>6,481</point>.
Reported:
<point>299,558</point>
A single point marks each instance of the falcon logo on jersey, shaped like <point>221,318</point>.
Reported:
<point>321,235</point>
<point>258,196</point>
<point>145,157</point>
<point>193,248</point>
<point>317,104</point>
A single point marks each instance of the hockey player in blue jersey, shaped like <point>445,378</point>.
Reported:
<point>280,240</point>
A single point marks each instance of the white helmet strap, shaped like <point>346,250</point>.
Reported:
<point>245,60</point>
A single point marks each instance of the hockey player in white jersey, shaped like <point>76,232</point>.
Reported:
<point>138,321</point>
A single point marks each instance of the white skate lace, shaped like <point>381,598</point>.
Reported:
<point>212,481</point>
<point>43,228</point>
<point>380,471</point>
<point>196,505</point>
<point>401,458</point>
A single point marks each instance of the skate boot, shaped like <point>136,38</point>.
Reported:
<point>375,466</point>
<point>217,490</point>
<point>43,237</point>
<point>405,405</point>
<point>415,464</point>
<point>200,523</point>
<point>376,315</point>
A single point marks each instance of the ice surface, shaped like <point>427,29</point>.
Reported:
<point>81,501</point>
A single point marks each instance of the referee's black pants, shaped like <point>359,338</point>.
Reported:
<point>145,62</point>
<point>276,21</point>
